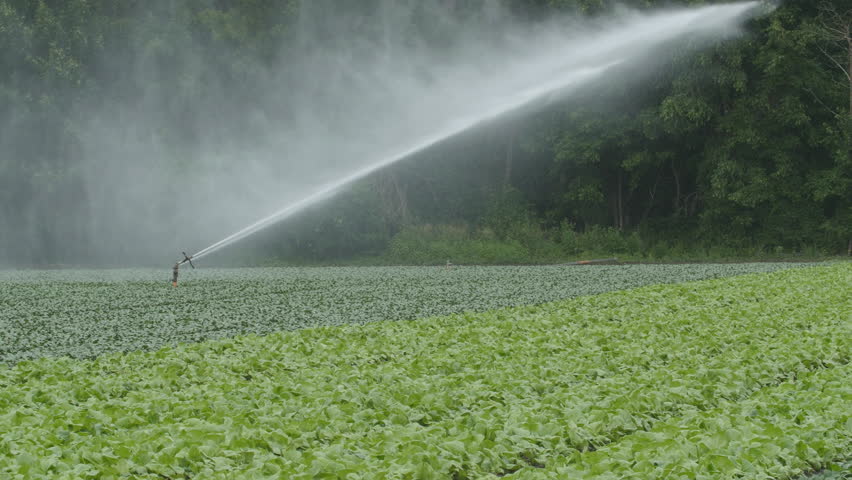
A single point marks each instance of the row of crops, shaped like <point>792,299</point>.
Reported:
<point>83,313</point>
<point>744,377</point>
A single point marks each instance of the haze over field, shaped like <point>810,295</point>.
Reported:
<point>182,148</point>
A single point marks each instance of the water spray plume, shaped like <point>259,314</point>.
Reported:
<point>556,70</point>
<point>457,127</point>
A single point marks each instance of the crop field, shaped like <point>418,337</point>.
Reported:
<point>87,313</point>
<point>580,376</point>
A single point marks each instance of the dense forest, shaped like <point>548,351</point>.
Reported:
<point>744,146</point>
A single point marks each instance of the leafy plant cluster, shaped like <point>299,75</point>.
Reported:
<point>83,313</point>
<point>745,377</point>
<point>529,243</point>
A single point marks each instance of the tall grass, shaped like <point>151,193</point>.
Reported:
<point>528,243</point>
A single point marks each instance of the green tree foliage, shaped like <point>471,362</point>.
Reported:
<point>746,144</point>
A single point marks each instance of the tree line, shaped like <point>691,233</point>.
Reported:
<point>747,143</point>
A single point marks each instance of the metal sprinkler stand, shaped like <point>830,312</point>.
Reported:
<point>176,268</point>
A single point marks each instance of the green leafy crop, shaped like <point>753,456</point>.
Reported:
<point>745,377</point>
<point>83,313</point>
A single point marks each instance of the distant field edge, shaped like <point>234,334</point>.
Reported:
<point>87,313</point>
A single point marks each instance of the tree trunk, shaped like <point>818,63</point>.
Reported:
<point>393,197</point>
<point>620,202</point>
<point>677,190</point>
<point>837,29</point>
<point>651,194</point>
<point>402,199</point>
<point>507,169</point>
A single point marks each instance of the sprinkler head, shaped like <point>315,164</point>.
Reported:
<point>187,258</point>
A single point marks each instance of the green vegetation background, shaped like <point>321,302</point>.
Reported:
<point>741,151</point>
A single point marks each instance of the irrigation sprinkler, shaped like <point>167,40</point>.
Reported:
<point>176,268</point>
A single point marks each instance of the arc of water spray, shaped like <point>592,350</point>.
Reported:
<point>519,100</point>
<point>459,126</point>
